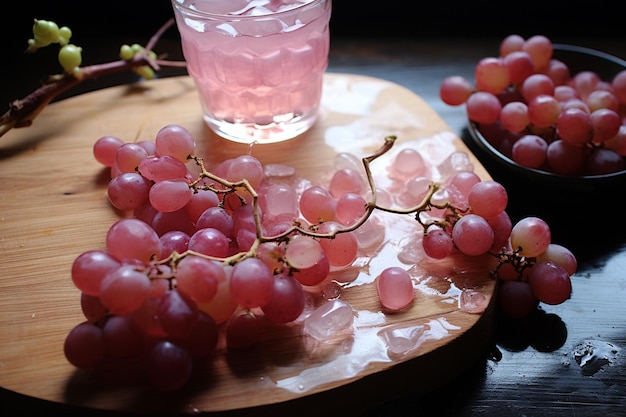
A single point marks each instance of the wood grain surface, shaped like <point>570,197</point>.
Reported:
<point>53,207</point>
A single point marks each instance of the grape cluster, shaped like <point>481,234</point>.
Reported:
<point>205,256</point>
<point>531,108</point>
<point>47,32</point>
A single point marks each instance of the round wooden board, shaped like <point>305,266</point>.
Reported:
<point>54,207</point>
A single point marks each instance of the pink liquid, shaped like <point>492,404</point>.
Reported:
<point>259,78</point>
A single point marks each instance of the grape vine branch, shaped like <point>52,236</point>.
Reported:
<point>22,112</point>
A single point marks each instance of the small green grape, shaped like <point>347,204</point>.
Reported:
<point>65,34</point>
<point>145,72</point>
<point>126,53</point>
<point>45,32</point>
<point>70,57</point>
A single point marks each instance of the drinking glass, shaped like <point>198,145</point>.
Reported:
<point>258,65</point>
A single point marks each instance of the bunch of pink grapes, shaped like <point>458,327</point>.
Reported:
<point>202,258</point>
<point>531,268</point>
<point>530,107</point>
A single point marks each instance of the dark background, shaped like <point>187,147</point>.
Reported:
<point>101,27</point>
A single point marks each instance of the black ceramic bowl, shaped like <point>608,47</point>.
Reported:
<point>578,59</point>
<point>581,210</point>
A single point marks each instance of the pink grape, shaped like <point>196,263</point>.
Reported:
<point>317,205</point>
<point>169,195</point>
<point>437,243</point>
<point>492,75</point>
<point>605,124</point>
<point>530,151</point>
<point>540,49</point>
<point>92,307</point>
<point>514,116</point>
<point>395,288</point>
<point>199,202</point>
<point>464,181</point>
<point>561,255</point>
<point>84,345</point>
<point>244,331</point>
<point>550,282</point>
<point>198,278</point>
<point>487,198</point>
<point>128,157</point>
<point>123,290</point>
<point>130,238</point>
<point>520,65</point>
<point>217,218</point>
<point>201,341</point>
<point>511,43</point>
<point>245,167</point>
<point>564,158</point>
<point>602,99</point>
<point>251,283</point>
<point>168,366</point>
<point>165,167</point>
<point>210,242</point>
<point>314,274</point>
<point>483,107</point>
<point>472,235</point>
<point>303,252</point>
<point>128,191</point>
<point>574,126</point>
<point>350,208</point>
<point>455,90</point>
<point>105,148</point>
<point>535,85</point>
<point>346,180</point>
<point>173,241</point>
<point>532,235</point>
<point>341,250</point>
<point>543,110</point>
<point>287,300</point>
<point>121,337</point>
<point>177,314</point>
<point>408,163</point>
<point>618,83</point>
<point>90,268</point>
<point>501,225</point>
<point>604,161</point>
<point>175,140</point>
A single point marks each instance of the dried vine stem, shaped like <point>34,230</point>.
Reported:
<point>22,112</point>
<point>217,183</point>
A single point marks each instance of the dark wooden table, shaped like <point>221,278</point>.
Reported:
<point>532,368</point>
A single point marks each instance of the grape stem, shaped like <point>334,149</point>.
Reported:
<point>22,112</point>
<point>222,187</point>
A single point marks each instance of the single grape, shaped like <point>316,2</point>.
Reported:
<point>516,299</point>
<point>198,278</point>
<point>251,283</point>
<point>124,289</point>
<point>455,90</point>
<point>128,191</point>
<point>514,116</point>
<point>130,238</point>
<point>90,268</point>
<point>472,235</point>
<point>532,235</point>
<point>540,48</point>
<point>122,338</point>
<point>395,288</point>
<point>530,151</point>
<point>210,242</point>
<point>287,300</point>
<point>303,252</point>
<point>176,141</point>
<point>437,243</point>
<point>483,107</point>
<point>492,75</point>
<point>244,331</point>
<point>168,366</point>
<point>487,198</point>
<point>169,195</point>
<point>105,148</point>
<point>564,158</point>
<point>345,181</point>
<point>550,282</point>
<point>84,345</point>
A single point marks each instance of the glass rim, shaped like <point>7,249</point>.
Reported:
<point>231,17</point>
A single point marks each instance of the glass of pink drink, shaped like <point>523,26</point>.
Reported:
<point>258,64</point>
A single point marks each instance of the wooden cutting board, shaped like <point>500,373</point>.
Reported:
<point>53,207</point>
